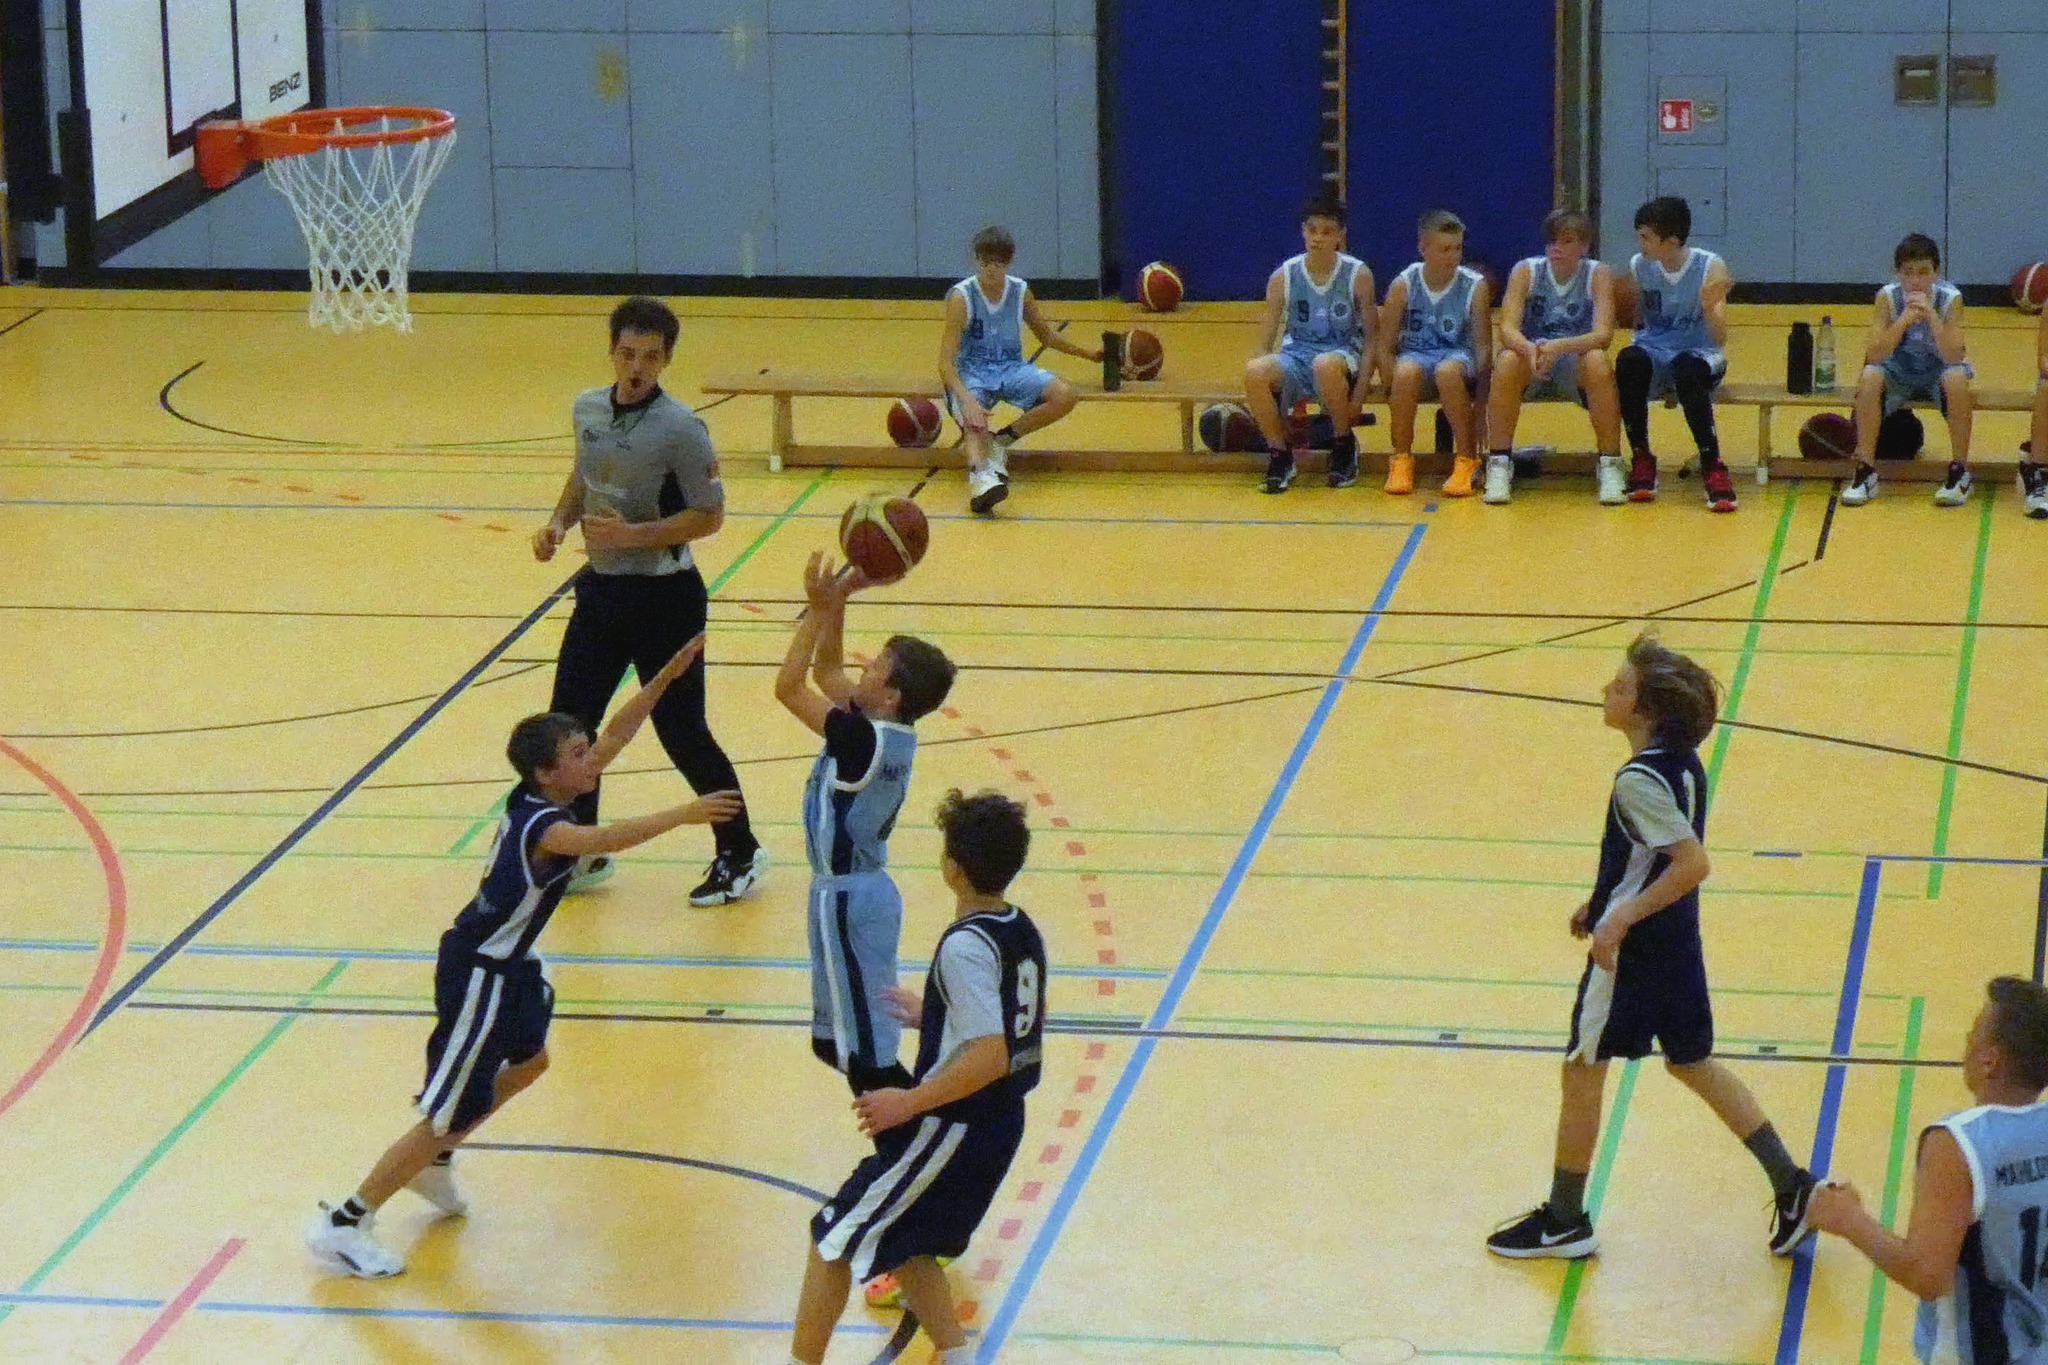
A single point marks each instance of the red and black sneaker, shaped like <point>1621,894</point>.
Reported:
<point>1642,477</point>
<point>1720,489</point>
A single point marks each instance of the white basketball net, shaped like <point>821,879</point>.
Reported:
<point>358,207</point>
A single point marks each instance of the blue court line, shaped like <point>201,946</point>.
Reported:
<point>1190,963</point>
<point>149,504</point>
<point>72,945</point>
<point>1801,1284</point>
<point>325,808</point>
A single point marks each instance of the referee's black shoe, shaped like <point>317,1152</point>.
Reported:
<point>729,878</point>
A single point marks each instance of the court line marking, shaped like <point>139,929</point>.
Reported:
<point>1041,1246</point>
<point>659,1158</point>
<point>23,321</point>
<point>182,1304</point>
<point>1960,705</point>
<point>1894,1171</point>
<point>157,1153</point>
<point>320,812</point>
<point>112,937</point>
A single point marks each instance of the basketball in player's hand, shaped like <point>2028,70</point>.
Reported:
<point>883,536</point>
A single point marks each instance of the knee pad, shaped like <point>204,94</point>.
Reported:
<point>1633,366</point>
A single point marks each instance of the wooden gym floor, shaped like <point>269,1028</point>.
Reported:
<point>1316,781</point>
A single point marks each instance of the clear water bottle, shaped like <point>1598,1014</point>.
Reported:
<point>1824,357</point>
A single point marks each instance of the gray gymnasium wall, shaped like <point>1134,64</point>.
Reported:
<point>1811,172</point>
<point>707,137</point>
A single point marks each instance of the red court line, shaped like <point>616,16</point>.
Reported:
<point>111,942</point>
<point>189,1295</point>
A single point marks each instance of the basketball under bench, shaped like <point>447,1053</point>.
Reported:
<point>1767,399</point>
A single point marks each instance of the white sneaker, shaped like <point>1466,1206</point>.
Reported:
<point>436,1185</point>
<point>985,489</point>
<point>1500,479</point>
<point>591,871</point>
<point>1862,488</point>
<point>1955,489</point>
<point>351,1247</point>
<point>1613,476</point>
<point>999,456</point>
<point>2035,490</point>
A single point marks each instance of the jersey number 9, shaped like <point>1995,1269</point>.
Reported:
<point>1027,1000</point>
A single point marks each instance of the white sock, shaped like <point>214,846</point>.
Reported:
<point>959,1355</point>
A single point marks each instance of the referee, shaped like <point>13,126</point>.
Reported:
<point>645,485</point>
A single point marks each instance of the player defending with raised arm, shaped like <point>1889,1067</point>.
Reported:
<point>492,999</point>
<point>981,361</point>
<point>1556,322</point>
<point>1317,330</point>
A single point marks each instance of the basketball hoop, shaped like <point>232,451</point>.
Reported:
<point>356,179</point>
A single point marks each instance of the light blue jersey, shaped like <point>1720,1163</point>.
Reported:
<point>847,821</point>
<point>993,340</point>
<point>1437,323</point>
<point>1674,316</point>
<point>1555,311</point>
<point>1916,363</point>
<point>1997,1311</point>
<point>1326,318</point>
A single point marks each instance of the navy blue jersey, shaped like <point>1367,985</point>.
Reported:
<point>1630,860</point>
<point>855,791</point>
<point>996,974</point>
<point>522,885</point>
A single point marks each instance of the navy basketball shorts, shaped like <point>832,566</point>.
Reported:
<point>923,1193</point>
<point>1658,997</point>
<point>488,1015</point>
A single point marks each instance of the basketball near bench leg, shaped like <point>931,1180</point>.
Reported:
<point>884,536</point>
<point>914,422</point>
<point>1827,436</point>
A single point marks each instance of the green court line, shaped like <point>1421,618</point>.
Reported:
<point>1894,1172</point>
<point>1962,693</point>
<point>724,576</point>
<point>170,1140</point>
<point>1603,1163</point>
<point>1425,979</point>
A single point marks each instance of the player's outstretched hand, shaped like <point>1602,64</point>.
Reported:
<point>546,541</point>
<point>1580,920</point>
<point>679,663</point>
<point>715,809</point>
<point>905,1007</point>
<point>881,1110</point>
<point>1835,1206</point>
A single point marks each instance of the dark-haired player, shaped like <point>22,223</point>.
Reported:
<point>1680,346</point>
<point>492,1000</point>
<point>1916,354</point>
<point>943,1144</point>
<point>1317,329</point>
<point>1974,1247</point>
<point>1646,978</point>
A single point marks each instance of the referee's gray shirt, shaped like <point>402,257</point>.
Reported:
<point>644,463</point>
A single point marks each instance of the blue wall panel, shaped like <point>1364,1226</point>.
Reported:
<point>555,16</point>
<point>252,227</point>
<point>981,16</point>
<point>1625,111</point>
<point>1074,16</point>
<point>1077,139</point>
<point>1215,141</point>
<point>559,99</point>
<point>705,182</point>
<point>1721,16</point>
<point>547,216</point>
<point>985,130</point>
<point>1491,162</point>
<point>841,16</point>
<point>434,16</point>
<point>1873,16</point>
<point>844,185</point>
<point>1998,16</point>
<point>1758,156</point>
<point>697,16</point>
<point>1998,213</point>
<point>457,226</point>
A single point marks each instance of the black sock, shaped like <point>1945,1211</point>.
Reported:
<point>1567,1202</point>
<point>1008,432</point>
<point>446,1158</point>
<point>1769,1151</point>
<point>351,1213</point>
<point>1344,444</point>
<point>1865,467</point>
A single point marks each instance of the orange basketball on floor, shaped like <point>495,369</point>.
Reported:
<point>2030,287</point>
<point>914,421</point>
<point>1628,300</point>
<point>884,536</point>
<point>1145,353</point>
<point>1159,287</point>
<point>1827,436</point>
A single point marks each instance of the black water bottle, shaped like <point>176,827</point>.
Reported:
<point>1112,361</point>
<point>1799,359</point>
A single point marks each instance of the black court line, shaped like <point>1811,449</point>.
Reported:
<point>918,487</point>
<point>1827,521</point>
<point>176,944</point>
<point>899,1342</point>
<point>662,1158</point>
<point>527,666</point>
<point>163,400</point>
<point>1449,1041</point>
<point>2041,910</point>
<point>19,322</point>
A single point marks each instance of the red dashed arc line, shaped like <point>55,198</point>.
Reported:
<point>1045,1170</point>
<point>299,488</point>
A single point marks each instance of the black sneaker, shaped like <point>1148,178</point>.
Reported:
<point>1642,477</point>
<point>1791,1220</point>
<point>1343,462</point>
<point>729,878</point>
<point>2034,489</point>
<point>1535,1235</point>
<point>1279,471</point>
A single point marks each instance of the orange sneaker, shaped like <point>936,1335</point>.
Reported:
<point>884,1291</point>
<point>1401,474</point>
<point>1459,485</point>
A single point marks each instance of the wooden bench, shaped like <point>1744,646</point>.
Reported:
<point>1768,398</point>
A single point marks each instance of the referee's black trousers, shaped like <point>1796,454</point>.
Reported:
<point>641,620</point>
